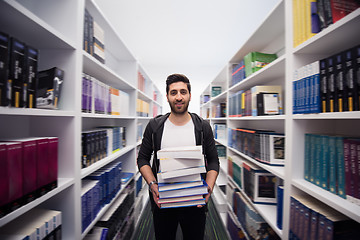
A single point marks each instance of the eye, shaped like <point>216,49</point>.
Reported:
<point>173,93</point>
<point>183,92</point>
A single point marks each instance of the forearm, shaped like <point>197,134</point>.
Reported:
<point>211,177</point>
<point>147,173</point>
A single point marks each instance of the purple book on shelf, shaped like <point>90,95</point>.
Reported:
<point>43,164</point>
<point>11,167</point>
<point>29,168</point>
<point>84,94</point>
<point>351,168</point>
<point>53,161</point>
<point>4,176</point>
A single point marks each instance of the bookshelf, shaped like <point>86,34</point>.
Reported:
<point>59,38</point>
<point>274,36</point>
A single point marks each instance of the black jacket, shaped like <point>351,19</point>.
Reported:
<point>152,140</point>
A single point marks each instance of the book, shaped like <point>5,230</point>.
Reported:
<point>259,185</point>
<point>183,203</point>
<point>180,199</point>
<point>181,152</point>
<point>31,74</point>
<point>267,104</point>
<point>49,88</point>
<point>53,162</point>
<point>255,61</point>
<point>279,206</point>
<point>173,164</point>
<point>215,90</point>
<point>12,178</point>
<point>341,8</point>
<point>186,178</point>
<point>5,96</point>
<point>185,192</point>
<point>356,57</point>
<point>339,82</point>
<point>98,42</point>
<point>183,171</point>
<point>350,80</point>
<point>264,89</point>
<point>16,71</point>
<point>175,186</point>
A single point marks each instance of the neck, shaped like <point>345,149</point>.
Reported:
<point>179,119</point>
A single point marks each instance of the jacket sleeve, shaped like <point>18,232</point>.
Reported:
<point>146,148</point>
<point>210,148</point>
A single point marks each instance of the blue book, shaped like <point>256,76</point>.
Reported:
<point>324,162</point>
<point>280,206</point>
<point>340,166</point>
<point>307,155</point>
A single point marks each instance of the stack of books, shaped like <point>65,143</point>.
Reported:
<point>180,182</point>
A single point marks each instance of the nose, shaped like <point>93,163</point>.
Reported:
<point>178,96</point>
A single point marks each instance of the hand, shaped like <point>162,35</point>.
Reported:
<point>207,196</point>
<point>155,192</point>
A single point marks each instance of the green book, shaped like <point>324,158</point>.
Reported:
<point>255,61</point>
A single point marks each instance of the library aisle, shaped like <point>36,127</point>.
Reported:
<point>214,228</point>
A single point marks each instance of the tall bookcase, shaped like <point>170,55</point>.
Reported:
<point>275,35</point>
<point>56,29</point>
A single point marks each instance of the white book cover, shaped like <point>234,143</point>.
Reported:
<point>181,152</point>
<point>171,164</point>
<point>183,204</point>
<point>178,185</point>
<point>186,178</point>
<point>184,192</point>
<point>182,172</point>
<point>181,199</point>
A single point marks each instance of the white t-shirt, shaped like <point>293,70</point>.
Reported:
<point>177,136</point>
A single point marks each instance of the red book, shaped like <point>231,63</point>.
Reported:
<point>53,161</point>
<point>43,165</point>
<point>4,176</point>
<point>11,169</point>
<point>29,167</point>
<point>341,8</point>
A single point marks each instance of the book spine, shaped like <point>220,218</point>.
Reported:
<point>350,80</point>
<point>347,166</point>
<point>31,69</point>
<point>53,161</point>
<point>356,57</point>
<point>318,160</point>
<point>279,207</point>
<point>4,179</point>
<point>4,68</point>
<point>15,173</point>
<point>331,84</point>
<point>29,170</point>
<point>324,166</point>
<point>323,87</point>
<point>42,146</point>
<point>16,73</point>
<point>307,156</point>
<point>339,83</point>
<point>331,179</point>
<point>340,166</point>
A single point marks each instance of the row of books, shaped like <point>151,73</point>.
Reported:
<point>21,84</point>
<point>312,16</point>
<point>29,169</point>
<point>328,85</point>
<point>38,223</point>
<point>219,110</point>
<point>258,184</point>
<point>204,98</point>
<point>331,162</point>
<point>98,189</point>
<point>144,83</point>
<point>100,98</point>
<point>98,143</point>
<point>179,180</point>
<point>142,108</point>
<point>251,221</point>
<point>265,146</point>
<point>312,219</point>
<point>215,90</point>
<point>220,131</point>
<point>237,73</point>
<point>256,101</point>
<point>116,217</point>
<point>94,37</point>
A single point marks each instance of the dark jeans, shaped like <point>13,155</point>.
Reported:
<point>191,219</point>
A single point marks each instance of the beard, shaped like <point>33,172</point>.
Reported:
<point>179,110</point>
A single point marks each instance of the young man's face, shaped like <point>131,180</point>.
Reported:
<point>178,97</point>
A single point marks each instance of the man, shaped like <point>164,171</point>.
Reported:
<point>177,128</point>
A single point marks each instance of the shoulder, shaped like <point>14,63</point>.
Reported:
<point>157,121</point>
<point>199,121</point>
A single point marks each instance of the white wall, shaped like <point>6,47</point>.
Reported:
<point>193,37</point>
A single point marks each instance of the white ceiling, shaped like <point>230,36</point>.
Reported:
<point>193,37</point>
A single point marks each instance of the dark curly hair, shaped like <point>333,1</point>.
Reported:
<point>177,78</point>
